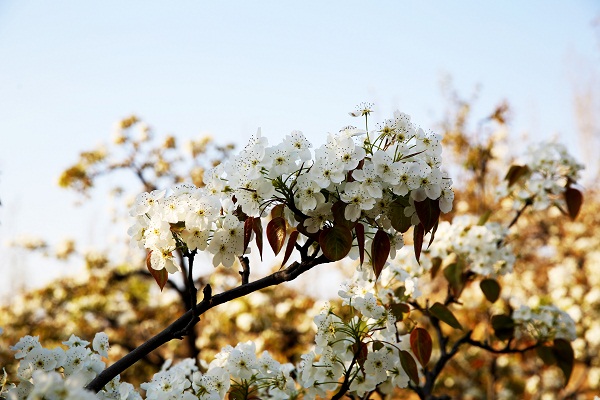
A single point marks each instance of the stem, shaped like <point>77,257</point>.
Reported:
<point>169,333</point>
<point>528,202</point>
<point>346,384</point>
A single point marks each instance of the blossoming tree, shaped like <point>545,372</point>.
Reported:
<point>356,196</point>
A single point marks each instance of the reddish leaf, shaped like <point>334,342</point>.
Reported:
<point>491,289</point>
<point>247,232</point>
<point>421,345</point>
<point>574,199</point>
<point>433,231</point>
<point>277,211</point>
<point>258,234</point>
<point>418,234</point>
<point>380,251</point>
<point>276,232</point>
<point>290,246</point>
<point>410,366</point>
<point>565,358</point>
<point>161,276</point>
<point>360,350</point>
<point>302,229</point>
<point>429,212</point>
<point>359,229</point>
<point>442,313</point>
<point>336,242</point>
<point>515,172</point>
<point>338,209</point>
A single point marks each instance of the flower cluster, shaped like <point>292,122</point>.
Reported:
<point>363,351</point>
<point>545,322</point>
<point>398,282</point>
<point>365,171</point>
<point>480,245</point>
<point>58,373</point>
<point>548,171</point>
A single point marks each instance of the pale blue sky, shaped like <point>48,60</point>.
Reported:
<point>70,69</point>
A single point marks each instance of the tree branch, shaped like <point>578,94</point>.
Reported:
<point>169,333</point>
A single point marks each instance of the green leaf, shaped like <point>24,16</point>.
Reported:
<point>410,366</point>
<point>377,345</point>
<point>546,354</point>
<point>380,251</point>
<point>565,358</point>
<point>421,345</point>
<point>436,263</point>
<point>399,310</point>
<point>400,291</point>
<point>442,313</point>
<point>418,234</point>
<point>515,172</point>
<point>359,229</point>
<point>429,212</point>
<point>161,276</point>
<point>484,218</point>
<point>395,213</point>
<point>338,209</point>
<point>454,275</point>
<point>291,244</point>
<point>336,242</point>
<point>504,326</point>
<point>574,199</point>
<point>177,227</point>
<point>276,232</point>
<point>491,289</point>
<point>258,234</point>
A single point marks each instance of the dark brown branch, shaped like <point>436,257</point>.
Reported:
<point>169,333</point>
<point>431,376</point>
<point>505,350</point>
<point>528,202</point>
<point>192,300</point>
<point>346,384</point>
<point>245,272</point>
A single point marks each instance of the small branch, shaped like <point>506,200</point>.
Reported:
<point>431,376</point>
<point>505,350</point>
<point>346,384</point>
<point>528,202</point>
<point>245,272</point>
<point>192,297</point>
<point>170,332</point>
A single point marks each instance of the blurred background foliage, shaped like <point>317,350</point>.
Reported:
<point>558,261</point>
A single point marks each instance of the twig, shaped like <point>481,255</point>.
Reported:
<point>245,272</point>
